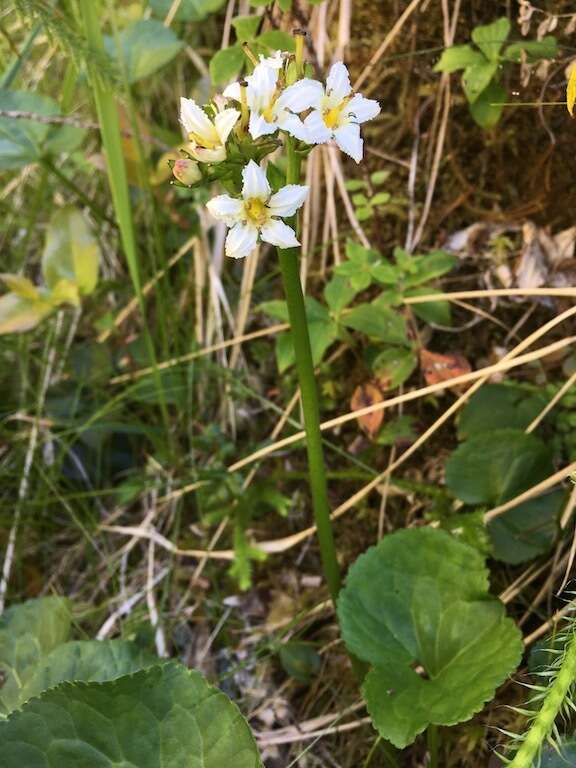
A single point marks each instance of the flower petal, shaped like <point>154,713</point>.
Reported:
<point>261,87</point>
<point>302,95</point>
<point>204,155</point>
<point>362,109</point>
<point>287,200</point>
<point>277,233</point>
<point>258,126</point>
<point>241,241</point>
<point>226,208</point>
<point>338,81</point>
<point>195,120</point>
<point>224,122</point>
<point>293,125</point>
<point>254,182</point>
<point>318,132</point>
<point>232,91</point>
<point>275,61</point>
<point>349,141</point>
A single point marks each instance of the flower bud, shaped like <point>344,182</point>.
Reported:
<point>186,171</point>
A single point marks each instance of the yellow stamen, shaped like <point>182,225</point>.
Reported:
<point>256,211</point>
<point>332,116</point>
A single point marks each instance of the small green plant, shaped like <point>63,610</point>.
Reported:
<point>416,608</point>
<point>482,64</point>
<point>367,196</point>
<point>379,321</point>
<point>89,702</point>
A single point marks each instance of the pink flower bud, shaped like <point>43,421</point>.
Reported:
<point>186,171</point>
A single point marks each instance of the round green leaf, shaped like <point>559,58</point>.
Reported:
<point>421,598</point>
<point>161,717</point>
<point>493,467</point>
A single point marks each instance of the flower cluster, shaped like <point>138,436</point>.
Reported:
<point>232,140</point>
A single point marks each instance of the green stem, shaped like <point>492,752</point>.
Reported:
<point>433,742</point>
<point>290,268</point>
<point>543,724</point>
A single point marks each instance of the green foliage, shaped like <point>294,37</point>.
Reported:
<point>420,598</point>
<point>500,406</point>
<point>144,47</point>
<point>163,716</point>
<point>228,63</point>
<point>377,320</point>
<point>482,66</point>
<point>322,328</point>
<point>552,698</point>
<point>24,141</point>
<point>300,660</point>
<point>189,10</point>
<point>28,632</point>
<point>368,198</point>
<point>490,468</point>
<point>528,530</point>
<point>70,266</point>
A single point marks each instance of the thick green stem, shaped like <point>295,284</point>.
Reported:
<point>290,268</point>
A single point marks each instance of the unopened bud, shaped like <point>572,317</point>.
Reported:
<point>186,171</point>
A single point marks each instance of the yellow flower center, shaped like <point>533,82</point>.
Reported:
<point>332,116</point>
<point>268,113</point>
<point>256,211</point>
<point>202,141</point>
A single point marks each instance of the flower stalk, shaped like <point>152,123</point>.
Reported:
<point>290,269</point>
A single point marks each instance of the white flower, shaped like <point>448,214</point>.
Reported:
<point>207,138</point>
<point>337,114</point>
<point>270,107</point>
<point>255,213</point>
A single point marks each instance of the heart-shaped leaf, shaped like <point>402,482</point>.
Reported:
<point>420,598</point>
<point>161,717</point>
<point>27,633</point>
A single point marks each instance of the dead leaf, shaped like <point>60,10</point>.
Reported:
<point>363,396</point>
<point>437,367</point>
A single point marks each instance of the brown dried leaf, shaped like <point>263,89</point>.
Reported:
<point>437,367</point>
<point>363,396</point>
